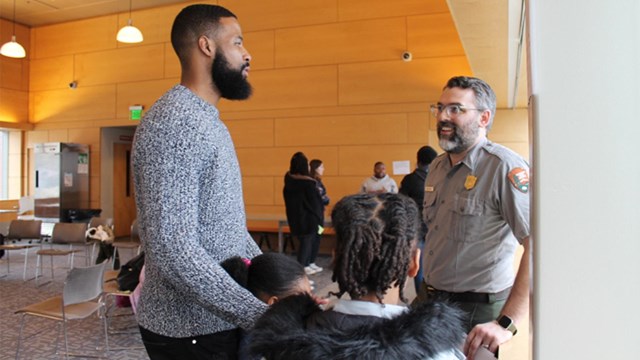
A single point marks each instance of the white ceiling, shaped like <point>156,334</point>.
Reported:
<point>489,31</point>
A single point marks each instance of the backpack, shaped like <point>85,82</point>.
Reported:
<point>129,275</point>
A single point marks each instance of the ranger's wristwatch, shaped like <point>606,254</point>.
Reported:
<point>507,323</point>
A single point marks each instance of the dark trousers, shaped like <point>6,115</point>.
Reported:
<point>221,345</point>
<point>315,247</point>
<point>304,251</point>
<point>477,313</point>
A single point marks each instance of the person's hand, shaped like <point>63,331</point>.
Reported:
<point>490,335</point>
<point>320,300</point>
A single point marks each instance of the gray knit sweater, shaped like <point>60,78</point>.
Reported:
<point>191,216</point>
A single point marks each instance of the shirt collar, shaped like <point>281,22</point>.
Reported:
<point>471,158</point>
<point>367,308</point>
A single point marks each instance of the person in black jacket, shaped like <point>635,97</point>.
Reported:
<point>413,186</point>
<point>304,207</point>
<point>375,252</point>
<point>316,169</point>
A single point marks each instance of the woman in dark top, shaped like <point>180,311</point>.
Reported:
<point>316,170</point>
<point>304,207</point>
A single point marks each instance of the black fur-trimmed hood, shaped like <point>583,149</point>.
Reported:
<point>420,333</point>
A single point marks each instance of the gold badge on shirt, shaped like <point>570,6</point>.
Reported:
<point>470,182</point>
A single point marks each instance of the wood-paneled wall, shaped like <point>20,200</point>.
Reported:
<point>327,74</point>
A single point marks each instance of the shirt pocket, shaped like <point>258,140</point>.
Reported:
<point>467,219</point>
<point>429,207</point>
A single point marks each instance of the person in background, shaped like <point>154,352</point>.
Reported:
<point>316,170</point>
<point>476,206</point>
<point>380,182</point>
<point>189,197</point>
<point>304,207</point>
<point>412,185</point>
<point>375,252</point>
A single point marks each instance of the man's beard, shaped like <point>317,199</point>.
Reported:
<point>461,138</point>
<point>230,82</point>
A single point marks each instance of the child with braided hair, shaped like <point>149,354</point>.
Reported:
<point>376,237</point>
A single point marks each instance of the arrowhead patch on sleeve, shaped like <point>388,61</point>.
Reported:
<point>519,178</point>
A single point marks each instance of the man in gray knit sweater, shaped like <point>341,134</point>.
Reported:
<point>189,197</point>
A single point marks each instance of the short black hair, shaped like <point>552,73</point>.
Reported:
<point>192,22</point>
<point>485,97</point>
<point>299,164</point>
<point>426,154</point>
<point>271,274</point>
<point>375,238</point>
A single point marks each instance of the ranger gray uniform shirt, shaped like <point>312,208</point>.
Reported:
<point>191,217</point>
<point>476,211</point>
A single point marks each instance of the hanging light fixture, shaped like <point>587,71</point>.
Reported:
<point>129,33</point>
<point>12,48</point>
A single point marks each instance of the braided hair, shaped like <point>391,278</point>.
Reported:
<point>375,237</point>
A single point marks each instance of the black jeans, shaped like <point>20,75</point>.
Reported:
<point>221,345</point>
<point>315,247</point>
<point>304,252</point>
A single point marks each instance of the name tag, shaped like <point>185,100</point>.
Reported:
<point>429,189</point>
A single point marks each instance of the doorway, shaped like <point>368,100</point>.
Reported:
<point>124,206</point>
<point>116,178</point>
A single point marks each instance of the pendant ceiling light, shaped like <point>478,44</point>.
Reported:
<point>129,33</point>
<point>12,48</point>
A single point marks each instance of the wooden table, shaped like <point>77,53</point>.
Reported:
<point>282,223</point>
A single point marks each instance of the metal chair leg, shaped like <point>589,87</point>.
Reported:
<point>20,337</point>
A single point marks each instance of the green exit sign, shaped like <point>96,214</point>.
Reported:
<point>135,112</point>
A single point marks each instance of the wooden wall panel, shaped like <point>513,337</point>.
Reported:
<point>272,14</point>
<point>51,73</point>
<point>433,36</point>
<point>397,81</point>
<point>86,136</point>
<point>171,62</point>
<point>341,43</point>
<point>83,103</point>
<point>14,105</point>
<point>339,187</point>
<point>140,93</point>
<point>359,160</point>
<point>336,130</point>
<point>275,161</point>
<point>289,88</point>
<point>418,125</point>
<point>366,9</point>
<point>261,47</point>
<point>510,126</point>
<point>278,187</point>
<point>121,65</point>
<point>36,137</point>
<point>75,37</point>
<point>264,209</point>
<point>258,190</point>
<point>12,73</point>
<point>251,133</point>
<point>59,135</point>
